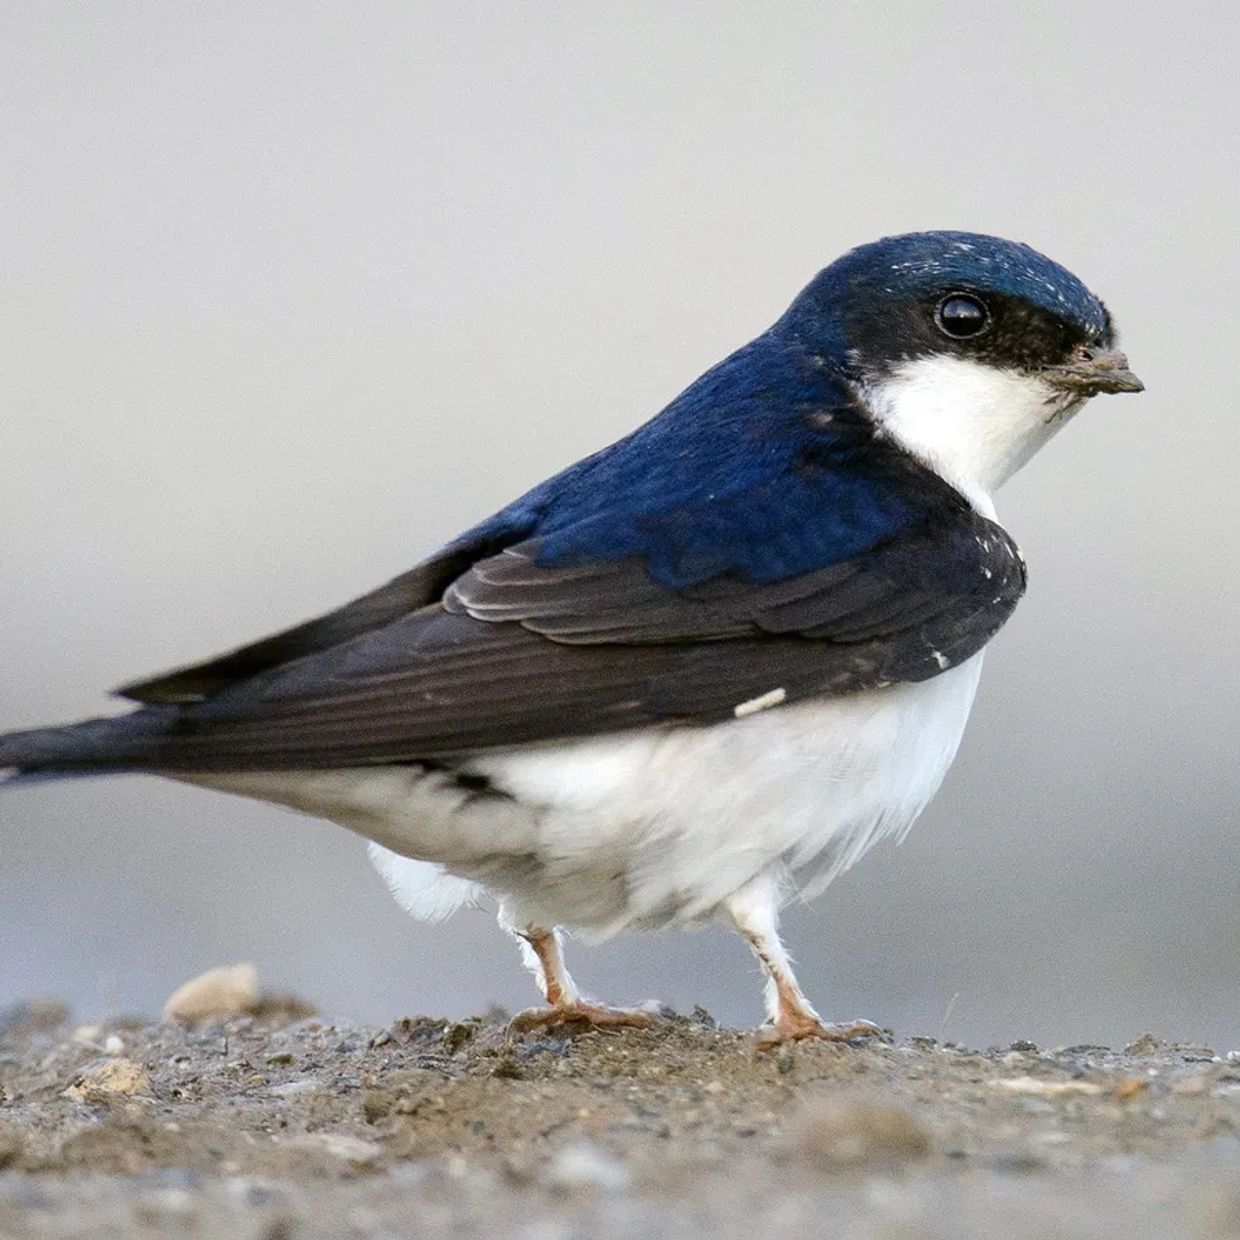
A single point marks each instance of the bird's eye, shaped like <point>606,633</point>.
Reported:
<point>961,315</point>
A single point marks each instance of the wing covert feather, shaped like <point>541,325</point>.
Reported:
<point>518,654</point>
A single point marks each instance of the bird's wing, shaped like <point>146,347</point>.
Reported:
<point>400,597</point>
<point>517,653</point>
<point>716,484</point>
<point>757,543</point>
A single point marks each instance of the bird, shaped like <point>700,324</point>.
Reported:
<point>696,674</point>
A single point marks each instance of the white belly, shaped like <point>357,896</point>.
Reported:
<point>647,828</point>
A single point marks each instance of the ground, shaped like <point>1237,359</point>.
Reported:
<point>283,1126</point>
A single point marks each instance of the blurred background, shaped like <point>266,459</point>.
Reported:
<point>293,293</point>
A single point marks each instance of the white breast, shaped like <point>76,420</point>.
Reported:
<point>647,828</point>
<point>666,826</point>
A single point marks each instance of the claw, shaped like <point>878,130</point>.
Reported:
<point>591,1015</point>
<point>796,1030</point>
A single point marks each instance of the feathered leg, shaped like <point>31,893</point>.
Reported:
<point>753,911</point>
<point>541,951</point>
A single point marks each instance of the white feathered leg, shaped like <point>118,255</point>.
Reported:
<point>543,956</point>
<point>754,913</point>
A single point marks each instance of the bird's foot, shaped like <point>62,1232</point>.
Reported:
<point>798,1028</point>
<point>584,1015</point>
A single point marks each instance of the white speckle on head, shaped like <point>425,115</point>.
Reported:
<point>974,424</point>
<point>940,659</point>
<point>774,698</point>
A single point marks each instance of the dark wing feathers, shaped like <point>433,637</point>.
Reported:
<point>399,597</point>
<point>758,535</point>
<point>479,672</point>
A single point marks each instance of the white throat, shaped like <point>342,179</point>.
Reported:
<point>974,425</point>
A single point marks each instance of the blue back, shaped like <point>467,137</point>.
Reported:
<point>741,474</point>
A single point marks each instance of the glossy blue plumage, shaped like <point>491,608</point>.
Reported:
<point>741,474</point>
<point>928,262</point>
<point>769,469</point>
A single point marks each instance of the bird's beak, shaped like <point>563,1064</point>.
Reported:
<point>1095,371</point>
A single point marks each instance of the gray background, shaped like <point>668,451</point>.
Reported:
<point>292,293</point>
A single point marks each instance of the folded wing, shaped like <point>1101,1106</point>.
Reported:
<point>517,653</point>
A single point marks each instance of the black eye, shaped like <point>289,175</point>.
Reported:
<point>961,316</point>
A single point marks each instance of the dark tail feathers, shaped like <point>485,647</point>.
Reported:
<point>93,747</point>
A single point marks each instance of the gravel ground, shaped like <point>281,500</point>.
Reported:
<point>280,1125</point>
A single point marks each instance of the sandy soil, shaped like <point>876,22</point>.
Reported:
<point>280,1126</point>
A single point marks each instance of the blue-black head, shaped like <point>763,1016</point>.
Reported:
<point>961,295</point>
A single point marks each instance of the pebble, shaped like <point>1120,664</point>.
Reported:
<point>109,1076</point>
<point>226,991</point>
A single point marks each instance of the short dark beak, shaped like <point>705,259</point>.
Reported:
<point>1097,370</point>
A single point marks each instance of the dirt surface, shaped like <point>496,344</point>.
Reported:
<point>258,1127</point>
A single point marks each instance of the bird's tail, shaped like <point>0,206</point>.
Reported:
<point>93,747</point>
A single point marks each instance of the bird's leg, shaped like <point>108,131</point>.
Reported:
<point>565,1005</point>
<point>789,1014</point>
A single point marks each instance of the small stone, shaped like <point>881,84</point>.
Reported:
<point>218,992</point>
<point>1146,1044</point>
<point>113,1045</point>
<point>843,1132</point>
<point>109,1076</point>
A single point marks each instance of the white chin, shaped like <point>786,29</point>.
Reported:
<point>974,424</point>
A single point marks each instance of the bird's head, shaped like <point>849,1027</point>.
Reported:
<point>968,350</point>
